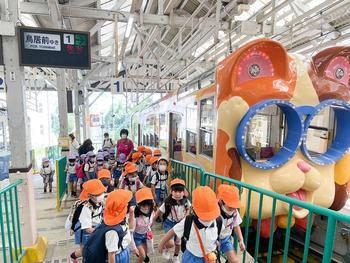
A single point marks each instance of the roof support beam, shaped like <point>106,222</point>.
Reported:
<point>109,15</point>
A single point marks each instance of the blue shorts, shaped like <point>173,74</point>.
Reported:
<point>226,245</point>
<point>140,239</point>
<point>189,257</point>
<point>92,175</point>
<point>160,195</point>
<point>123,256</point>
<point>85,238</point>
<point>78,236</point>
<point>117,174</point>
<point>133,200</point>
<point>73,178</point>
<point>168,224</point>
<point>84,179</point>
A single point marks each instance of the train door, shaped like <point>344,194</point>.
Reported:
<point>174,136</point>
<point>139,141</point>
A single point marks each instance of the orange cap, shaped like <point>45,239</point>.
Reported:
<point>136,156</point>
<point>229,194</point>
<point>147,158</point>
<point>177,181</point>
<point>130,168</point>
<point>148,151</point>
<point>83,195</point>
<point>94,187</point>
<point>143,194</point>
<point>205,204</point>
<point>157,152</point>
<point>104,173</point>
<point>141,148</point>
<point>116,206</point>
<point>153,160</point>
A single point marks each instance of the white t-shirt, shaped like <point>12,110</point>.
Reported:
<point>143,224</point>
<point>107,143</point>
<point>178,212</point>
<point>73,148</point>
<point>89,167</point>
<point>208,235</point>
<point>229,224</point>
<point>162,180</point>
<point>88,219</point>
<point>112,240</point>
<point>71,169</point>
<point>46,170</point>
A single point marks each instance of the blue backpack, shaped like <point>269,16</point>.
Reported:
<point>95,250</point>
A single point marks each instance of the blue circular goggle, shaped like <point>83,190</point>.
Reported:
<point>297,132</point>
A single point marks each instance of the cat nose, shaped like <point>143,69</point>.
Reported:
<point>303,166</point>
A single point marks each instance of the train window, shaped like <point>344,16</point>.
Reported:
<point>191,116</point>
<point>162,131</point>
<point>321,132</point>
<point>191,141</point>
<point>265,133</point>
<point>206,126</point>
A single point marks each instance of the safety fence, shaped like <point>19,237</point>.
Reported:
<point>10,225</point>
<point>195,176</point>
<point>51,152</point>
<point>61,184</point>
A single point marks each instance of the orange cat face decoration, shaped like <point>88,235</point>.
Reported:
<point>278,124</point>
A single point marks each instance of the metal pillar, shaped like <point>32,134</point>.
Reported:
<point>18,124</point>
<point>62,102</point>
<point>76,105</point>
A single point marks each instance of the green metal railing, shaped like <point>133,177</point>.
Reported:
<point>10,225</point>
<point>185,171</point>
<point>190,173</point>
<point>61,185</point>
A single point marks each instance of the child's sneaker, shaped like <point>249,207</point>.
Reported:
<point>166,254</point>
<point>176,259</point>
<point>72,260</point>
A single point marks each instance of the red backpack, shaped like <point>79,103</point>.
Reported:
<point>80,171</point>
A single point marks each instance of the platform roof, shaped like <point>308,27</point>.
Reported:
<point>159,45</point>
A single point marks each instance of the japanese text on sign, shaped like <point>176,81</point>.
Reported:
<point>41,41</point>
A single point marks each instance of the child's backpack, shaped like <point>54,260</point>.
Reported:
<point>95,249</point>
<point>187,230</point>
<point>80,171</point>
<point>168,206</point>
<point>73,215</point>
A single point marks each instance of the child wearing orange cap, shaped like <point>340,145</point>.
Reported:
<point>228,196</point>
<point>159,181</point>
<point>157,153</point>
<point>137,158</point>
<point>105,177</point>
<point>151,170</point>
<point>200,231</point>
<point>91,214</point>
<point>143,216</point>
<point>175,208</point>
<point>131,181</point>
<point>111,240</point>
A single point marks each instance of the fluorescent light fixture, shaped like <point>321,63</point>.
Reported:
<point>129,26</point>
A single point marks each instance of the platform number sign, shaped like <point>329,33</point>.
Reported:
<point>68,39</point>
<point>54,48</point>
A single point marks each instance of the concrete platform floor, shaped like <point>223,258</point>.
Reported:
<point>50,224</point>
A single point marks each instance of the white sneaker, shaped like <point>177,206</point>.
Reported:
<point>166,254</point>
<point>176,259</point>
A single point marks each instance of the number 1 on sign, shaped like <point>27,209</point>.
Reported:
<point>68,39</point>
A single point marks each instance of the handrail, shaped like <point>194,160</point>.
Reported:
<point>213,179</point>
<point>315,208</point>
<point>11,241</point>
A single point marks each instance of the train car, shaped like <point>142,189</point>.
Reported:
<point>273,120</point>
